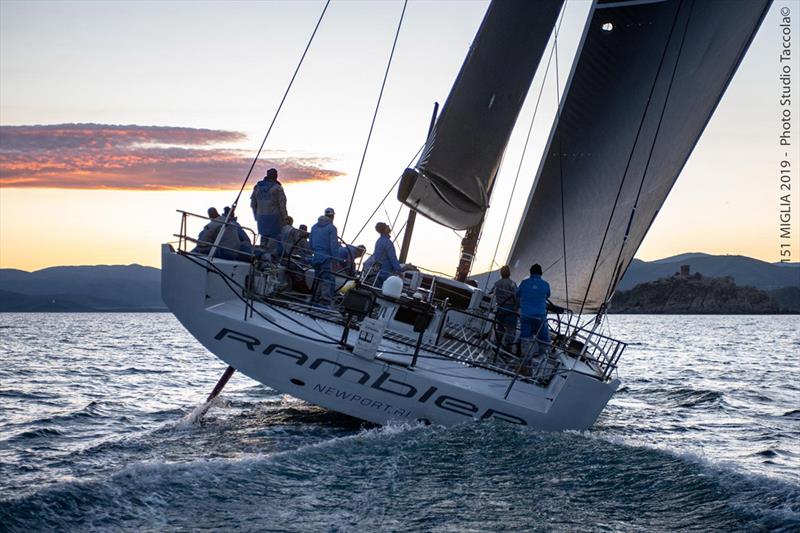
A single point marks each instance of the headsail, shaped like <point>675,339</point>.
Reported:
<point>453,177</point>
<point>647,80</point>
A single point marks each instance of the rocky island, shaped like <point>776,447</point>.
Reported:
<point>685,293</point>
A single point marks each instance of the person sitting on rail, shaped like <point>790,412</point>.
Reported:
<point>533,293</point>
<point>229,244</point>
<point>269,209</point>
<point>324,245</point>
<point>245,244</point>
<point>286,232</point>
<point>209,233</point>
<point>298,244</point>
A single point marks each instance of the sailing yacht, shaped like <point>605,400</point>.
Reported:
<point>644,83</point>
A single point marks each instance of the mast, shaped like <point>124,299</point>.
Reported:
<point>412,213</point>
<point>469,245</point>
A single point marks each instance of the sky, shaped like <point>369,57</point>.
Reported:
<point>113,115</point>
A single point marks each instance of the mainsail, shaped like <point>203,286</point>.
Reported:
<point>647,80</point>
<point>452,180</point>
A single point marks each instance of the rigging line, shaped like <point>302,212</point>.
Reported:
<point>525,148</point>
<point>399,209</point>
<point>280,106</point>
<point>387,194</point>
<point>397,234</point>
<point>374,116</point>
<point>561,179</point>
<point>628,164</point>
<point>609,290</point>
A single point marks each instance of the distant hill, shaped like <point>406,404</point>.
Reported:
<point>744,270</point>
<point>138,288</point>
<point>82,288</point>
<point>694,294</point>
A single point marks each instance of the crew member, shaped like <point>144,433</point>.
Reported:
<point>505,299</point>
<point>533,294</point>
<point>228,246</point>
<point>345,262</point>
<point>298,243</point>
<point>269,209</point>
<point>384,256</point>
<point>286,231</point>
<point>245,245</point>
<point>324,245</point>
<point>209,232</point>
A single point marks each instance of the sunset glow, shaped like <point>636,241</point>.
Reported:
<point>107,128</point>
<point>99,156</point>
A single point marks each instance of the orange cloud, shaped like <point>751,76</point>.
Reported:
<point>102,156</point>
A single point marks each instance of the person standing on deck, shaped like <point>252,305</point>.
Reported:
<point>269,209</point>
<point>324,242</point>
<point>383,261</point>
<point>506,302</point>
<point>533,294</point>
<point>384,256</point>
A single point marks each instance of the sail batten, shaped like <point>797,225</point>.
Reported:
<point>646,82</point>
<point>452,180</point>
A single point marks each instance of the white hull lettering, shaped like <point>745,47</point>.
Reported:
<point>384,383</point>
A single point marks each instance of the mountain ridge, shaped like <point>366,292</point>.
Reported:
<point>135,287</point>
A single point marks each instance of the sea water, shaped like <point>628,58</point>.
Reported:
<point>703,435</point>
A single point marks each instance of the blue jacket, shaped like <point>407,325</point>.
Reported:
<point>533,294</point>
<point>385,255</point>
<point>324,241</point>
<point>346,258</point>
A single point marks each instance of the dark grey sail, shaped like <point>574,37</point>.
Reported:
<point>647,80</point>
<point>452,180</point>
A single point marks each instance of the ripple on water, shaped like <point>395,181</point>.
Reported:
<point>694,440</point>
<point>442,479</point>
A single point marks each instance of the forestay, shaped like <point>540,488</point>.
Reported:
<point>452,180</point>
<point>647,80</point>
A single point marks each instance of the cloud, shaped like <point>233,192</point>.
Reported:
<point>103,156</point>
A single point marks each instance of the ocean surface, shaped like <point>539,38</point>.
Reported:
<point>704,435</point>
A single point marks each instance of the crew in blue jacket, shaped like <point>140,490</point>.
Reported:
<point>345,261</point>
<point>384,255</point>
<point>325,246</point>
<point>533,294</point>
